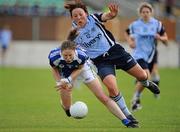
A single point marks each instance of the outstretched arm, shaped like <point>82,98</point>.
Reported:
<point>113,11</point>
<point>67,83</point>
<point>55,73</point>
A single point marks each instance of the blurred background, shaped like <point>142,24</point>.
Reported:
<point>34,27</point>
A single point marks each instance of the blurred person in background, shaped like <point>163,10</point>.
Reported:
<point>5,40</point>
<point>169,8</point>
<point>107,55</point>
<point>142,36</point>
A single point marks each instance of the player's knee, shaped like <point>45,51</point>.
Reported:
<point>113,91</point>
<point>142,76</point>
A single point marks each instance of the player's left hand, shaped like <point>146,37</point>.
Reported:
<point>113,9</point>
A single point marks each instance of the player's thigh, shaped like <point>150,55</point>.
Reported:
<point>87,74</point>
<point>138,72</point>
<point>96,89</point>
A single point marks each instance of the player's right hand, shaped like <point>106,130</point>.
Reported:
<point>63,84</point>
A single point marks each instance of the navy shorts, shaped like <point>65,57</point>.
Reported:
<point>115,58</point>
<point>4,47</point>
<point>145,65</point>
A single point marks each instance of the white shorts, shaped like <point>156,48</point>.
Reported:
<point>87,75</point>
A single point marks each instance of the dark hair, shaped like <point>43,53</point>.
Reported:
<point>73,4</point>
<point>68,45</point>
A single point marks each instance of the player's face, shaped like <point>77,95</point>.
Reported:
<point>68,55</point>
<point>146,13</point>
<point>79,16</point>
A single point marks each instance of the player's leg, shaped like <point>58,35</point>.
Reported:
<point>66,97</point>
<point>129,65</point>
<point>94,85</point>
<point>155,77</point>
<point>107,74</point>
<point>155,74</point>
<point>96,88</point>
<point>154,69</point>
<point>135,102</point>
<point>142,76</point>
<point>3,54</point>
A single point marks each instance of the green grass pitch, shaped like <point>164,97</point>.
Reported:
<point>30,103</point>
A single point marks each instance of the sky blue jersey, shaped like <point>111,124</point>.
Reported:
<point>94,38</point>
<point>65,69</point>
<point>144,34</point>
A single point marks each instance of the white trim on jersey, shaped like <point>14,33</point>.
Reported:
<point>102,29</point>
<point>159,26</point>
<point>151,56</point>
<point>56,62</point>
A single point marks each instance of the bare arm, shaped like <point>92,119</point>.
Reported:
<point>58,78</point>
<point>56,74</point>
<point>130,40</point>
<point>113,11</point>
<point>68,82</point>
<point>163,38</point>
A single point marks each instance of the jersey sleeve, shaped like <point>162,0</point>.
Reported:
<point>50,60</point>
<point>161,28</point>
<point>83,57</point>
<point>127,31</point>
<point>130,29</point>
<point>98,17</point>
<point>54,57</point>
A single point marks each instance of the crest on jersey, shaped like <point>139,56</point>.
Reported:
<point>61,66</point>
<point>87,34</point>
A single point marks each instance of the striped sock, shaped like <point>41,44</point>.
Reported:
<point>119,99</point>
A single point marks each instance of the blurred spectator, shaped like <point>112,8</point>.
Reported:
<point>5,40</point>
<point>52,10</point>
<point>35,10</point>
<point>169,8</point>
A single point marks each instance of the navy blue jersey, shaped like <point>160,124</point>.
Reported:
<point>65,69</point>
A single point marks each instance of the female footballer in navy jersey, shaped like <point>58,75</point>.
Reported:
<point>142,36</point>
<point>100,45</point>
<point>67,64</point>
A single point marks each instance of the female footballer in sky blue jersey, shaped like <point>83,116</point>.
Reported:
<point>99,44</point>
<point>67,64</point>
<point>142,36</point>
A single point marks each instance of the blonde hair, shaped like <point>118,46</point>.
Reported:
<point>145,5</point>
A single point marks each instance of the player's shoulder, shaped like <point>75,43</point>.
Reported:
<point>136,22</point>
<point>54,53</point>
<point>96,17</point>
<point>155,20</point>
